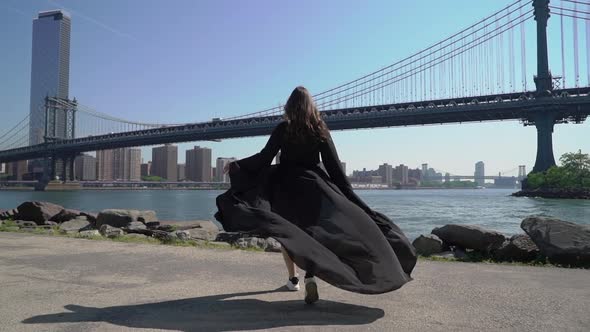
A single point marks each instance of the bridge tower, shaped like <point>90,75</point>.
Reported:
<point>60,123</point>
<point>544,119</point>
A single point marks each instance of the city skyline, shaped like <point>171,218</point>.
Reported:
<point>190,85</point>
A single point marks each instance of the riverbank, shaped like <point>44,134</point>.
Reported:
<point>554,193</point>
<point>545,239</point>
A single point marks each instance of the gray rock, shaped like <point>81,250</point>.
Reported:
<point>90,233</point>
<point>469,236</point>
<point>109,231</point>
<point>152,224</point>
<point>251,242</point>
<point>201,234</point>
<point>182,235</point>
<point>519,248</point>
<point>74,226</point>
<point>25,224</point>
<point>37,211</point>
<point>50,223</point>
<point>135,225</point>
<point>90,216</point>
<point>116,218</point>
<point>8,214</point>
<point>459,253</point>
<point>272,245</point>
<point>561,241</point>
<point>147,216</point>
<point>428,244</point>
<point>182,225</point>
<point>229,237</point>
<point>65,215</point>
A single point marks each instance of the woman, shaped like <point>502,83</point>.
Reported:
<point>322,225</point>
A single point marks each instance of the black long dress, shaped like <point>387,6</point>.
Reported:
<point>319,220</point>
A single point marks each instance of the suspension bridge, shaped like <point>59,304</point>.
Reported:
<point>478,74</point>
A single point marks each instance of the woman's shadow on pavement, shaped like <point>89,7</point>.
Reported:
<point>218,313</point>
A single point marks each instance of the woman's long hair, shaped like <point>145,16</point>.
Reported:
<point>304,121</point>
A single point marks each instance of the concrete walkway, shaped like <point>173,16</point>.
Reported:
<point>62,284</point>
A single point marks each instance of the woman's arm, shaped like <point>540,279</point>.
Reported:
<point>265,156</point>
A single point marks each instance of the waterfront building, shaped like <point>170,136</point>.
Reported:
<point>146,169</point>
<point>85,168</point>
<point>220,165</point>
<point>479,173</point>
<point>104,165</point>
<point>181,172</point>
<point>165,162</point>
<point>17,170</point>
<point>386,173</point>
<point>198,164</point>
<point>127,164</point>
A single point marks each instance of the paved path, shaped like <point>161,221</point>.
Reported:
<point>62,284</point>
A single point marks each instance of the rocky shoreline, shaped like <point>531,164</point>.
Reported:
<point>554,193</point>
<point>49,218</point>
<point>545,239</point>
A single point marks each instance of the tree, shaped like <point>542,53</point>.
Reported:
<point>576,162</point>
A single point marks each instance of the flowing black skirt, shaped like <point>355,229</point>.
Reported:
<point>323,231</point>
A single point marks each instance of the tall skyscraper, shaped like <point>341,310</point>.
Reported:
<point>220,165</point>
<point>480,173</point>
<point>104,165</point>
<point>127,164</point>
<point>85,166</point>
<point>50,68</point>
<point>165,162</point>
<point>198,164</point>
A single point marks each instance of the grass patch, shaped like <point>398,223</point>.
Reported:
<point>477,257</point>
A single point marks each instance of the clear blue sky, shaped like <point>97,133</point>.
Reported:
<point>187,61</point>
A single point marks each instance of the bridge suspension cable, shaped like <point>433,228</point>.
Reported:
<point>17,136</point>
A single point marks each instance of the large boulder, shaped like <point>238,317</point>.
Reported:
<point>116,218</point>
<point>147,216</point>
<point>561,241</point>
<point>135,225</point>
<point>75,225</point>
<point>519,248</point>
<point>470,236</point>
<point>90,216</point>
<point>37,211</point>
<point>111,232</point>
<point>65,215</point>
<point>428,244</point>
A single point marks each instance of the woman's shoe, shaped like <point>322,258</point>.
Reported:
<point>311,291</point>
<point>293,284</point>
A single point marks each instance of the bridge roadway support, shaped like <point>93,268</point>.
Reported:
<point>67,175</point>
<point>544,122</point>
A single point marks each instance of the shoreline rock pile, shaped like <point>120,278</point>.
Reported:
<point>112,223</point>
<point>559,242</point>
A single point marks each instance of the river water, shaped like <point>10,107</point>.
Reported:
<point>415,211</point>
